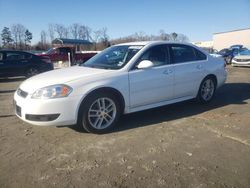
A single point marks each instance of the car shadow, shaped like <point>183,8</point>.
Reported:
<point>7,91</point>
<point>231,93</point>
<point>15,79</point>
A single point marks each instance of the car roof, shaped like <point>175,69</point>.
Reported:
<point>144,43</point>
<point>19,51</point>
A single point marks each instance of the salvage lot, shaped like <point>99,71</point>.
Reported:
<point>180,145</point>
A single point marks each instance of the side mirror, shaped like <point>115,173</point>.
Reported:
<point>145,64</point>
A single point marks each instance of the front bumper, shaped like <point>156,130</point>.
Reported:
<point>47,112</point>
<point>243,64</point>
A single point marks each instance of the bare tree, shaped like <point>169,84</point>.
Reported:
<point>164,35</point>
<point>66,33</point>
<point>60,30</point>
<point>88,32</point>
<point>74,29</point>
<point>43,38</point>
<point>51,32</point>
<point>182,38</point>
<point>104,37</point>
<point>96,37</point>
<point>82,32</point>
<point>18,32</point>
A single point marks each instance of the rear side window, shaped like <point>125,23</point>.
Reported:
<point>184,53</point>
<point>27,56</point>
<point>200,55</point>
<point>12,56</point>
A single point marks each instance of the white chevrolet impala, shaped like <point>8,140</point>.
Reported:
<point>122,79</point>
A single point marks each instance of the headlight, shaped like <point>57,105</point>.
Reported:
<point>51,92</point>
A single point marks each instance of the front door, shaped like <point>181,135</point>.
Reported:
<point>155,84</point>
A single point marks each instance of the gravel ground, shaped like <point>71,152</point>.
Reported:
<point>180,145</point>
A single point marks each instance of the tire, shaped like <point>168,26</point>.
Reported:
<point>99,113</point>
<point>228,60</point>
<point>32,71</point>
<point>207,90</point>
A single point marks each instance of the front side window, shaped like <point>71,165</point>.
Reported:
<point>182,53</point>
<point>158,55</point>
<point>114,57</point>
<point>13,56</point>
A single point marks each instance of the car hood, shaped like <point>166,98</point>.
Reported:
<point>242,57</point>
<point>61,76</point>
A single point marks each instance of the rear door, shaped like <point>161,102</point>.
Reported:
<point>3,70</point>
<point>189,69</point>
<point>16,63</point>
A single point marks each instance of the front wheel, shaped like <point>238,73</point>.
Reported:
<point>99,113</point>
<point>32,72</point>
<point>207,90</point>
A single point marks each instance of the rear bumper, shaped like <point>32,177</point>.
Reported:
<point>221,78</point>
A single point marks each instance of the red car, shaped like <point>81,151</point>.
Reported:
<point>63,54</point>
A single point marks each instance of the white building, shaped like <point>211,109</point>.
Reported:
<point>226,39</point>
<point>204,44</point>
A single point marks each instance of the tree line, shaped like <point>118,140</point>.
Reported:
<point>19,37</point>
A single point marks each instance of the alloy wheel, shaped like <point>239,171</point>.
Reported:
<point>207,89</point>
<point>32,72</point>
<point>102,113</point>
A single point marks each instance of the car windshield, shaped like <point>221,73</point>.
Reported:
<point>246,52</point>
<point>114,57</point>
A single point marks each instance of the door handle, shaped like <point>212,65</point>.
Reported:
<point>199,66</point>
<point>168,71</point>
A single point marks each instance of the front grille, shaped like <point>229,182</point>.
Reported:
<point>44,117</point>
<point>22,93</point>
<point>242,60</point>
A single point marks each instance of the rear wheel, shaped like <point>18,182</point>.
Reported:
<point>228,60</point>
<point>32,71</point>
<point>207,90</point>
<point>99,113</point>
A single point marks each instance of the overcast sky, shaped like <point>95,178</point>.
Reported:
<point>198,19</point>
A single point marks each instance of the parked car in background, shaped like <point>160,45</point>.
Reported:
<point>60,56</point>
<point>212,52</point>
<point>229,53</point>
<point>19,63</point>
<point>236,46</point>
<point>242,59</point>
<point>144,75</point>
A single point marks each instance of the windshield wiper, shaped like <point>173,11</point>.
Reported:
<point>97,66</point>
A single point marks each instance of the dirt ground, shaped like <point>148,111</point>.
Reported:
<point>180,145</point>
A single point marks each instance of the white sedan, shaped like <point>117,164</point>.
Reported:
<point>242,59</point>
<point>122,79</point>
